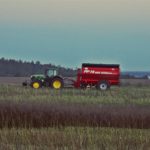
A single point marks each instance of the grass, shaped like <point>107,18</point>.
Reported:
<point>122,95</point>
<point>73,138</point>
<point>125,105</point>
<point>45,114</point>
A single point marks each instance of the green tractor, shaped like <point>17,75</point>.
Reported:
<point>49,79</point>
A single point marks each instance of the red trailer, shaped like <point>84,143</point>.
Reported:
<point>101,76</point>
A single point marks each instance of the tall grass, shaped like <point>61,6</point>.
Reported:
<point>118,107</point>
<point>74,119</point>
<point>75,139</point>
<point>122,95</point>
<point>45,114</point>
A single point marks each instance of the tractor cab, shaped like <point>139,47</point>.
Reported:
<point>51,72</point>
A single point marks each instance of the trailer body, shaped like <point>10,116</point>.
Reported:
<point>102,76</point>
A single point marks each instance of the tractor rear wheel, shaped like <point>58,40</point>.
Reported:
<point>57,83</point>
<point>36,84</point>
<point>103,85</point>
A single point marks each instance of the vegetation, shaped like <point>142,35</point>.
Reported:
<point>19,68</point>
<point>74,119</point>
<point>117,95</point>
<point>74,138</point>
<point>45,114</point>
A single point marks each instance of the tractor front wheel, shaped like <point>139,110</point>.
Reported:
<point>57,83</point>
<point>36,84</point>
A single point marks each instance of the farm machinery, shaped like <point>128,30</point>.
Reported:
<point>49,79</point>
<point>101,76</point>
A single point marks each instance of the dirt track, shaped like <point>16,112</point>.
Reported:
<point>12,80</point>
<point>124,82</point>
<point>136,82</point>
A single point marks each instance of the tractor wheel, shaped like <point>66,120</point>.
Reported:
<point>36,84</point>
<point>103,85</point>
<point>57,83</point>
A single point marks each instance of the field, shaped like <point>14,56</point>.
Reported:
<point>74,138</point>
<point>75,119</point>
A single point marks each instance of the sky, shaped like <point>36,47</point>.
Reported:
<point>72,32</point>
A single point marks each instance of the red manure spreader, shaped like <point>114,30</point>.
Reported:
<point>101,76</point>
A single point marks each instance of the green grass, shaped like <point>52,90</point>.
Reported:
<point>116,95</point>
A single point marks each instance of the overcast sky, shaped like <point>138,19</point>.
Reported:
<point>69,32</point>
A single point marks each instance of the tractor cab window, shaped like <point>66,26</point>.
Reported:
<point>51,73</point>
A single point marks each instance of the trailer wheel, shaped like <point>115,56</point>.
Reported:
<point>57,83</point>
<point>83,86</point>
<point>36,84</point>
<point>103,85</point>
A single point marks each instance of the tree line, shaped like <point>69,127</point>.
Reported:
<point>19,68</point>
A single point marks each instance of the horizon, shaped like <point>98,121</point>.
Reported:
<point>71,32</point>
<point>123,71</point>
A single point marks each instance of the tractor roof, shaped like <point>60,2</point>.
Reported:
<point>101,65</point>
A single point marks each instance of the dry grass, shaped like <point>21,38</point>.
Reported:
<point>74,119</point>
<point>45,114</point>
<point>117,95</point>
<point>74,138</point>
<point>118,107</point>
